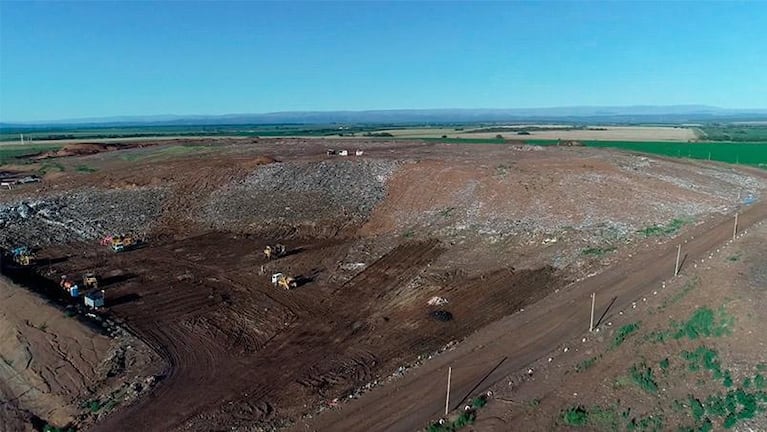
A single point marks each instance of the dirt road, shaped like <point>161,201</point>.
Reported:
<point>511,344</point>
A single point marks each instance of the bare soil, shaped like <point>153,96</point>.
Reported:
<point>595,375</point>
<point>505,234</point>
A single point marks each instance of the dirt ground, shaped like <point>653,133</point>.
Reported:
<point>49,362</point>
<point>594,379</point>
<point>498,235</point>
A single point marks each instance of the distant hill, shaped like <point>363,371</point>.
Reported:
<point>607,114</point>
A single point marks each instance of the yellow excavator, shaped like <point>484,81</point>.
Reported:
<point>280,280</point>
<point>276,251</point>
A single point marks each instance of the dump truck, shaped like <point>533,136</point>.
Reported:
<point>280,280</point>
<point>276,251</point>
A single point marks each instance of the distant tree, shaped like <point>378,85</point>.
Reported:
<point>444,136</point>
<point>499,136</point>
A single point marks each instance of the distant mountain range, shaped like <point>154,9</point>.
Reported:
<point>607,114</point>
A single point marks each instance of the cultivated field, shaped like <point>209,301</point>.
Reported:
<point>549,132</point>
<point>399,254</point>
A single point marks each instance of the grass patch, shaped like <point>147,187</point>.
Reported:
<point>623,333</point>
<point>478,402</point>
<point>610,419</point>
<point>664,364</point>
<point>48,167</point>
<point>689,286</point>
<point>672,228</point>
<point>585,364</point>
<point>642,375</point>
<point>13,153</point>
<point>704,322</point>
<point>576,416</point>
<point>409,234</point>
<point>598,251</point>
<point>85,169</point>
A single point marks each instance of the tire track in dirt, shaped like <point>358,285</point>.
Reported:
<point>213,338</point>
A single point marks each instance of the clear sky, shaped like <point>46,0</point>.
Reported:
<point>62,60</point>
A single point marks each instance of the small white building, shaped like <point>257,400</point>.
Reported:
<point>358,153</point>
<point>343,153</point>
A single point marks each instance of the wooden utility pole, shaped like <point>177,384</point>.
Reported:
<point>735,228</point>
<point>593,301</point>
<point>678,257</point>
<point>447,398</point>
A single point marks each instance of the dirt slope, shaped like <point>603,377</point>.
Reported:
<point>47,361</point>
<point>510,344</point>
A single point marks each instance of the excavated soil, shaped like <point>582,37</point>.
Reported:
<point>487,231</point>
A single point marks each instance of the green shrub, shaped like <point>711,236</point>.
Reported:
<point>85,169</point>
<point>664,364</point>
<point>704,323</point>
<point>642,376</point>
<point>479,402</point>
<point>585,364</point>
<point>623,333</point>
<point>576,416</point>
<point>598,251</point>
<point>697,409</point>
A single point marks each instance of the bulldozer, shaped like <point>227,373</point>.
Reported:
<point>23,256</point>
<point>276,251</point>
<point>90,282</point>
<point>120,243</point>
<point>280,280</point>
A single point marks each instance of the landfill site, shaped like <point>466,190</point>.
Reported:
<point>318,284</point>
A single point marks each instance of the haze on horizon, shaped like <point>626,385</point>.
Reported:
<point>67,60</point>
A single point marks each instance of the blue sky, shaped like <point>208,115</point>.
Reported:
<point>70,60</point>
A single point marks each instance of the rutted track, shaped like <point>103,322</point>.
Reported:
<point>215,328</point>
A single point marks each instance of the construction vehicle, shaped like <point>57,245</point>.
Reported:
<point>280,280</point>
<point>120,242</point>
<point>90,282</point>
<point>276,251</point>
<point>95,299</point>
<point>69,286</point>
<point>22,256</point>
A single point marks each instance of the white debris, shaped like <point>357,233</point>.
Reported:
<point>437,301</point>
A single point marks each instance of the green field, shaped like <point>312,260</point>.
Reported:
<point>751,153</point>
<point>8,153</point>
